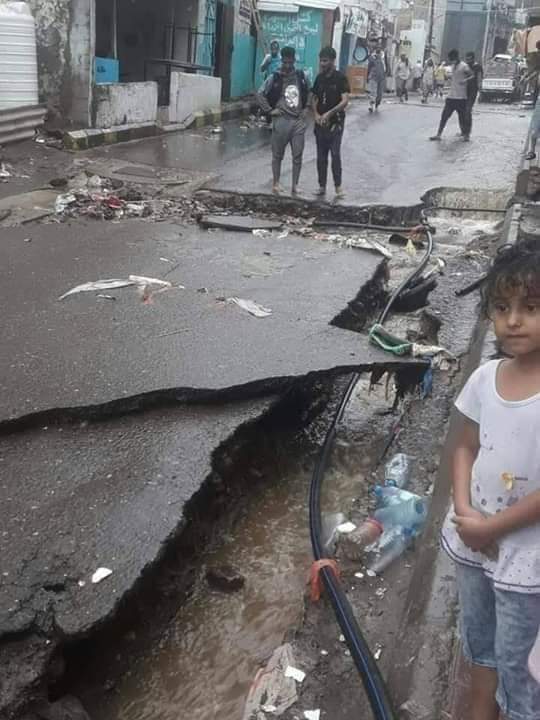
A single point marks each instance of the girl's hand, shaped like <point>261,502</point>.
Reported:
<point>475,532</point>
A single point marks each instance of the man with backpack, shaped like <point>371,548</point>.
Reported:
<point>284,96</point>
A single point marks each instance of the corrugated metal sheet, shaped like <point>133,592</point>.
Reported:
<point>20,123</point>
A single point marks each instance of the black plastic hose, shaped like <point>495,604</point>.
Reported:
<point>366,664</point>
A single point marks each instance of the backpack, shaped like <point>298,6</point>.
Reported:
<point>274,92</point>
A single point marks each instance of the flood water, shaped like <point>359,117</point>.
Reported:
<point>207,658</point>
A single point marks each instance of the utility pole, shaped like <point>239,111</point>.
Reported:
<point>430,32</point>
<point>486,32</point>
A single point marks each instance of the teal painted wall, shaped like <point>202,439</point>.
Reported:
<point>303,31</point>
<point>243,57</point>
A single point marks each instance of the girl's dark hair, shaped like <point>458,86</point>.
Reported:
<point>514,268</point>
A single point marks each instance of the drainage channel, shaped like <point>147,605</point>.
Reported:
<point>196,654</point>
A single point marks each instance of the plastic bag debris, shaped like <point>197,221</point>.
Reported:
<point>100,574</point>
<point>271,688</point>
<point>63,201</point>
<point>312,714</point>
<point>6,170</point>
<point>261,232</point>
<point>295,674</point>
<point>365,244</point>
<point>147,286</point>
<point>111,284</point>
<point>251,307</point>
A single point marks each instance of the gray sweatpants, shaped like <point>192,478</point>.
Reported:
<point>288,130</point>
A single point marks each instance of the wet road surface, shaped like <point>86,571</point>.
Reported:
<point>387,156</point>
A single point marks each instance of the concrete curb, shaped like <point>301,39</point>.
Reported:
<point>90,138</point>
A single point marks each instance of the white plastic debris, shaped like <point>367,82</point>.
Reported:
<point>378,652</point>
<point>270,687</point>
<point>324,652</point>
<point>359,575</point>
<point>342,638</point>
<point>100,574</point>
<point>5,170</point>
<point>217,130</point>
<point>110,284</point>
<point>269,709</point>
<point>63,201</point>
<point>295,673</point>
<point>346,527</point>
<point>365,244</point>
<point>371,573</point>
<point>260,232</point>
<point>251,307</point>
<point>312,714</point>
<point>283,235</point>
<point>146,285</point>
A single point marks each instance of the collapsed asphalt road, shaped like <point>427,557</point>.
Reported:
<point>87,486</point>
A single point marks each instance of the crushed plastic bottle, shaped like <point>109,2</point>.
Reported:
<point>398,471</point>
<point>354,544</point>
<point>395,543</point>
<point>391,495</point>
<point>409,514</point>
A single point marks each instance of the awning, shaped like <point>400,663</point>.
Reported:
<point>276,6</point>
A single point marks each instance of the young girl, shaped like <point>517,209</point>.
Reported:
<point>493,530</point>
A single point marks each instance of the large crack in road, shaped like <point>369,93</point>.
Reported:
<point>125,483</point>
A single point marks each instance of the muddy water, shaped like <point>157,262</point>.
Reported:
<point>204,664</point>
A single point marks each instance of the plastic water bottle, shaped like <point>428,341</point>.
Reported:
<point>391,547</point>
<point>409,514</point>
<point>353,544</point>
<point>398,471</point>
<point>392,495</point>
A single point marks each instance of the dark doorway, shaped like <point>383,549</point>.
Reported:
<point>224,46</point>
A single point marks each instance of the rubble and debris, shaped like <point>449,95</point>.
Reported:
<point>242,223</point>
<point>225,578</point>
<point>251,307</point>
<point>312,714</point>
<point>6,171</point>
<point>271,687</point>
<point>100,574</point>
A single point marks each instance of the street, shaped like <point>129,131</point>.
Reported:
<point>141,422</point>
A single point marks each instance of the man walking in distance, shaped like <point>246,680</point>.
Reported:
<point>473,86</point>
<point>330,98</point>
<point>403,73</point>
<point>285,95</point>
<point>376,78</point>
<point>457,97</point>
<point>272,61</point>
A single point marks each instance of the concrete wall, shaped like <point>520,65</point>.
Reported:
<point>124,104</point>
<point>65,40</point>
<point>191,93</point>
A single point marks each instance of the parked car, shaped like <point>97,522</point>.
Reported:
<point>501,80</point>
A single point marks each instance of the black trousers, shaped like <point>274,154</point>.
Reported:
<point>450,106</point>
<point>470,104</point>
<point>328,141</point>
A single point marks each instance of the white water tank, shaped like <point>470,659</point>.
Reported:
<point>18,59</point>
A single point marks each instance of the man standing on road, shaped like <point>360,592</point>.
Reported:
<point>403,73</point>
<point>440,79</point>
<point>272,60</point>
<point>376,78</point>
<point>330,98</point>
<point>284,95</point>
<point>473,86</point>
<point>457,97</point>
<point>428,81</point>
<point>418,71</point>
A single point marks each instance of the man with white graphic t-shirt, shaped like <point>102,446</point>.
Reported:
<point>284,96</point>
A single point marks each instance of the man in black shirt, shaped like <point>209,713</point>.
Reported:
<point>473,86</point>
<point>330,98</point>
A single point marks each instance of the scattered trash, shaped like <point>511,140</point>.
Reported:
<point>63,201</point>
<point>409,514</point>
<point>380,592</point>
<point>269,708</point>
<point>225,578</point>
<point>329,531</point>
<point>147,286</point>
<point>106,297</point>
<point>283,235</point>
<point>386,495</point>
<point>359,575</point>
<point>295,674</point>
<point>100,574</point>
<point>81,583</point>
<point>251,307</point>
<point>352,545</point>
<point>397,471</point>
<point>346,527</point>
<point>6,170</point>
<point>312,714</point>
<point>342,638</point>
<point>164,259</point>
<point>271,688</point>
<point>377,652</point>
<point>324,652</point>
<point>216,130</point>
<point>261,232</point>
<point>392,545</point>
<point>27,240</point>
<point>410,249</point>
<point>371,573</point>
